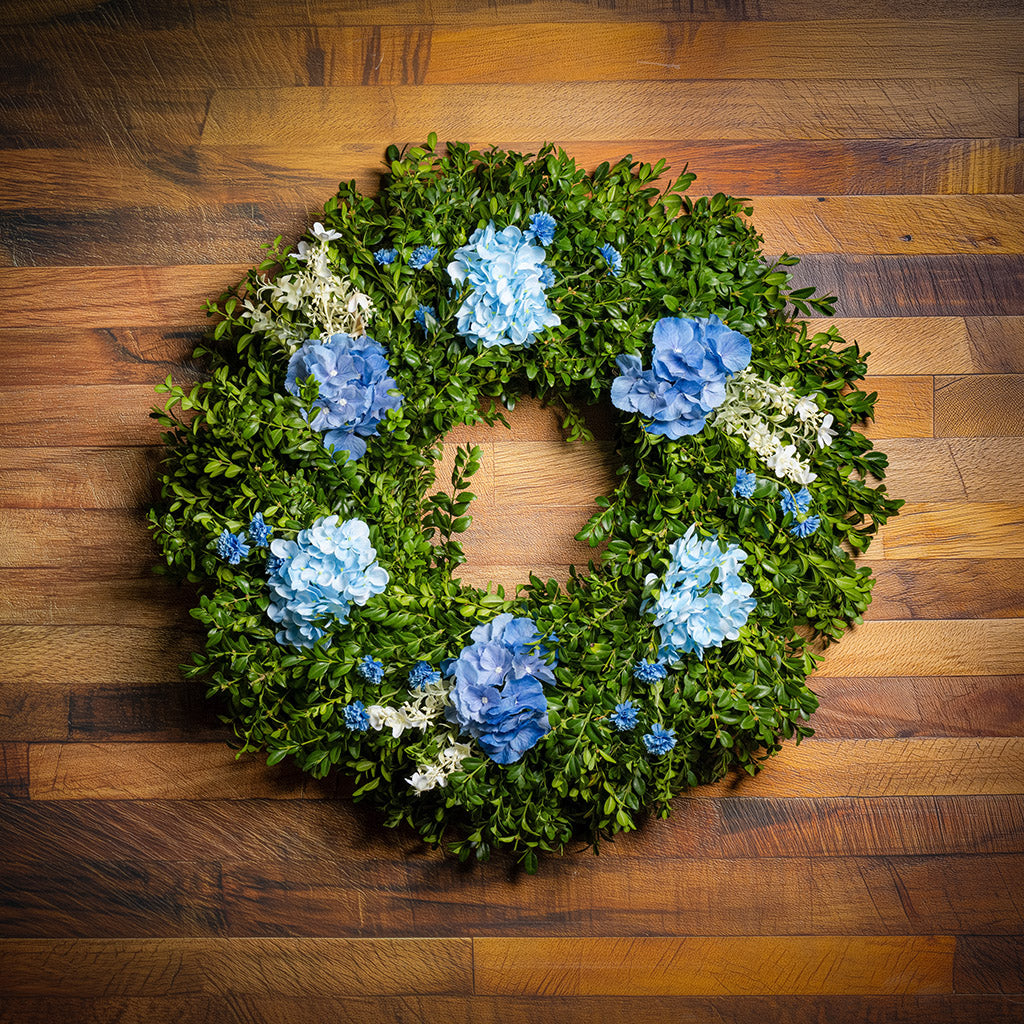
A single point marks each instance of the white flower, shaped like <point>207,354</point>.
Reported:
<point>426,779</point>
<point>319,231</point>
<point>802,474</point>
<point>825,432</point>
<point>806,408</point>
<point>378,716</point>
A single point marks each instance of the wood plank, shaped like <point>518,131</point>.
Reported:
<point>100,542</point>
<point>829,108</point>
<point>982,405</point>
<point>954,530</point>
<point>132,771</point>
<point>13,770</point>
<point>967,647</point>
<point>271,966</point>
<point>78,477</point>
<point>714,966</point>
<point>973,469</point>
<point>947,588</point>
<point>901,706</point>
<point>989,963</point>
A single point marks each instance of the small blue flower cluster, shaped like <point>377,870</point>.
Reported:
<point>421,256</point>
<point>355,389</point>
<point>498,696</point>
<point>542,228</point>
<point>686,382</point>
<point>356,716</point>
<point>613,258</point>
<point>695,611</point>
<point>370,670</point>
<point>659,740</point>
<point>507,304</point>
<point>745,484</point>
<point>232,546</point>
<point>425,316</point>
<point>385,257</point>
<point>799,504</point>
<point>422,675</point>
<point>322,573</point>
<point>626,716</point>
<point>648,671</point>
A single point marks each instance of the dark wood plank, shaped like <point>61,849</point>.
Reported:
<point>979,405</point>
<point>13,770</point>
<point>947,588</point>
<point>989,963</point>
<point>101,542</point>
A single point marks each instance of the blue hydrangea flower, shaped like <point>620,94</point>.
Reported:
<point>370,670</point>
<point>259,532</point>
<point>355,389</point>
<point>421,256</point>
<point>648,671</point>
<point>806,527</point>
<point>356,717</point>
<point>612,257</point>
<point>323,572</point>
<point>507,304</point>
<point>385,257</point>
<point>232,547</point>
<point>425,316</point>
<point>659,740</point>
<point>542,228</point>
<point>547,276</point>
<point>274,564</point>
<point>795,504</point>
<point>498,696</point>
<point>625,716</point>
<point>745,484</point>
<point>686,382</point>
<point>692,611</point>
<point>422,675</point>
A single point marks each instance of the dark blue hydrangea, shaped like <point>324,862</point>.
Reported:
<point>421,256</point>
<point>625,716</point>
<point>356,717</point>
<point>384,257</point>
<point>425,316</point>
<point>259,532</point>
<point>422,675</point>
<point>612,257</point>
<point>659,740</point>
<point>745,484</point>
<point>542,227</point>
<point>232,547</point>
<point>274,564</point>
<point>795,504</point>
<point>648,671</point>
<point>805,528</point>
<point>371,670</point>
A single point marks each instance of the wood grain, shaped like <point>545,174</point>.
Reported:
<point>946,588</point>
<point>718,966</point>
<point>979,406</point>
<point>972,469</point>
<point>989,963</point>
<point>954,530</point>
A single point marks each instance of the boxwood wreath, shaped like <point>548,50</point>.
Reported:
<point>298,493</point>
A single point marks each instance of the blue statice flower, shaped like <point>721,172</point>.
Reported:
<point>422,675</point>
<point>323,572</point>
<point>795,504</point>
<point>625,716</point>
<point>274,564</point>
<point>648,671</point>
<point>421,256</point>
<point>659,740</point>
<point>385,257</point>
<point>692,361</point>
<point>745,484</point>
<point>612,257</point>
<point>425,316</point>
<point>356,390</point>
<point>370,670</point>
<point>259,532</point>
<point>806,527</point>
<point>356,717</point>
<point>547,276</point>
<point>542,228</point>
<point>693,611</point>
<point>507,304</point>
<point>232,547</point>
<point>498,696</point>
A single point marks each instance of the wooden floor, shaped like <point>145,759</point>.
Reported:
<point>874,874</point>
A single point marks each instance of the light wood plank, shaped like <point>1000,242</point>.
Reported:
<point>713,966</point>
<point>969,469</point>
<point>979,405</point>
<point>954,530</point>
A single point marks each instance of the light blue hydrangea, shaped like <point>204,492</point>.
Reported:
<point>356,390</point>
<point>498,696</point>
<point>805,527</point>
<point>370,670</point>
<point>547,276</point>
<point>694,612</point>
<point>612,257</point>
<point>421,256</point>
<point>507,304</point>
<point>648,671</point>
<point>692,361</point>
<point>322,573</point>
<point>422,675</point>
<point>273,564</point>
<point>659,740</point>
<point>745,484</point>
<point>542,228</point>
<point>356,716</point>
<point>795,504</point>
<point>232,547</point>
<point>259,532</point>
<point>425,316</point>
<point>385,257</point>
<point>625,716</point>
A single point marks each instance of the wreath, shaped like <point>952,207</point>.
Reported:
<point>298,492</point>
